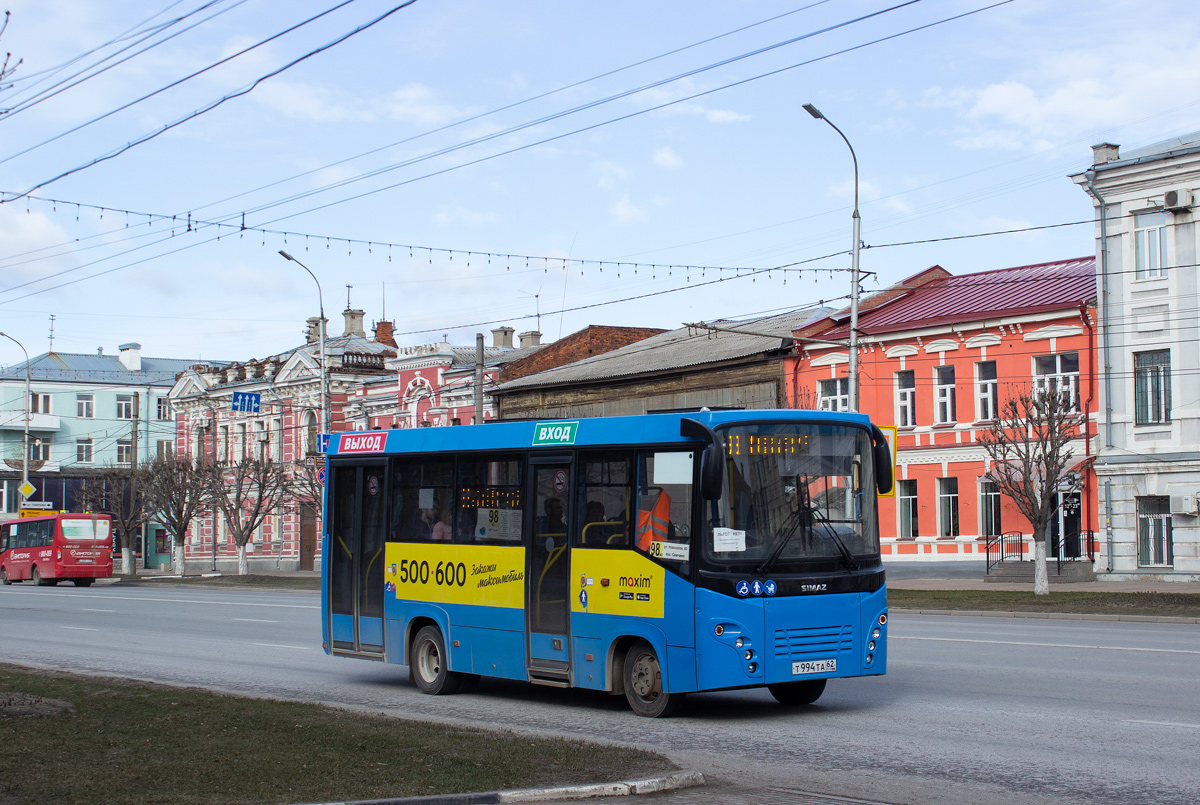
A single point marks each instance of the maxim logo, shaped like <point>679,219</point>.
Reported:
<point>362,443</point>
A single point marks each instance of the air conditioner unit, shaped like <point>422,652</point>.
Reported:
<point>1183,504</point>
<point>1179,199</point>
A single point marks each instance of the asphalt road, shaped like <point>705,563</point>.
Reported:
<point>978,710</point>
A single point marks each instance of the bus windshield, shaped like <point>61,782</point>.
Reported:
<point>795,493</point>
<point>81,528</point>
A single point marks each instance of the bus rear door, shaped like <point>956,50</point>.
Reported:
<point>547,608</point>
<point>356,546</point>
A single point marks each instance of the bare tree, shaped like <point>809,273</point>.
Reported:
<point>7,69</point>
<point>1028,444</point>
<point>120,493</point>
<point>177,490</point>
<point>306,488</point>
<point>246,492</point>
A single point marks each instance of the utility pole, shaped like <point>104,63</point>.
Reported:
<point>133,451</point>
<point>478,378</point>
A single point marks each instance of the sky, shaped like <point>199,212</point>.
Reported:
<point>466,164</point>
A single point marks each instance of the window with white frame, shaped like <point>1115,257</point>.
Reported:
<point>243,441</point>
<point>1152,387</point>
<point>262,445</point>
<point>906,399</point>
<point>944,404</point>
<point>947,489</point>
<point>39,449</point>
<point>989,509</point>
<point>124,406</point>
<point>83,451</point>
<point>164,409</point>
<point>223,447</point>
<point>166,448</point>
<point>39,403</point>
<point>835,394</point>
<point>124,451</point>
<point>987,391</point>
<point>1155,542</point>
<point>1058,374</point>
<point>906,498</point>
<point>85,406</point>
<point>310,434</point>
<point>1150,244</point>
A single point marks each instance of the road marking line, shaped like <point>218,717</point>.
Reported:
<point>1049,645</point>
<point>79,628</point>
<point>1163,723</point>
<point>253,620</point>
<point>163,600</point>
<point>85,609</point>
<point>278,645</point>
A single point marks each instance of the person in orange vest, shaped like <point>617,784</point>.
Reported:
<point>654,524</point>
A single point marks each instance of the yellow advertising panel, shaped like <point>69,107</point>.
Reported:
<point>443,573</point>
<point>616,583</point>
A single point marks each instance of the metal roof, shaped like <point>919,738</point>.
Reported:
<point>1164,147</point>
<point>984,295</point>
<point>675,349</point>
<point>94,368</point>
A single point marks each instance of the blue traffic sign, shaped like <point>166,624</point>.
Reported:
<point>743,588</point>
<point>769,587</point>
<point>323,442</point>
<point>246,402</point>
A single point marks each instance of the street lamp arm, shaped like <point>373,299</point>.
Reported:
<point>28,416</point>
<point>324,374</point>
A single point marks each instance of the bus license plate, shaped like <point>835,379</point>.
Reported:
<point>813,667</point>
<point>86,561</point>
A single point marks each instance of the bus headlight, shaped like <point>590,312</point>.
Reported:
<point>739,643</point>
<point>749,654</point>
<point>871,646</point>
<point>875,633</point>
<point>870,658</point>
<point>752,667</point>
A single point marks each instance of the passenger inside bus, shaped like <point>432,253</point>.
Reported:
<point>443,530</point>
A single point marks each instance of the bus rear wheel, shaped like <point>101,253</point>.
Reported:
<point>38,581</point>
<point>4,579</point>
<point>643,684</point>
<point>797,693</point>
<point>428,661</point>
<point>82,582</point>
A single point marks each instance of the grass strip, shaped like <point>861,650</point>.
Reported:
<point>1073,602</point>
<point>229,581</point>
<point>100,740</point>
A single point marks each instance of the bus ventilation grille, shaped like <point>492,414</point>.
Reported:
<point>813,641</point>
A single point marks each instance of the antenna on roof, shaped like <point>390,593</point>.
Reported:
<point>348,287</point>
<point>51,332</point>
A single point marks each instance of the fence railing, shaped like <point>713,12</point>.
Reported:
<point>1005,547</point>
<point>1010,547</point>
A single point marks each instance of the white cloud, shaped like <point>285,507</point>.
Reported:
<point>461,215</point>
<point>667,158</point>
<point>625,211</point>
<point>610,174</point>
<point>417,103</point>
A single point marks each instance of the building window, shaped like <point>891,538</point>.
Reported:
<point>39,449</point>
<point>124,451</point>
<point>947,507</point>
<point>166,448</point>
<point>243,441</point>
<point>1150,237</point>
<point>85,406</point>
<point>39,403</point>
<point>1058,374</point>
<point>164,409</point>
<point>835,394</point>
<point>124,406</point>
<point>945,407</point>
<point>83,451</point>
<point>311,446</point>
<point>987,392</point>
<point>223,447</point>
<point>1152,387</point>
<point>1154,532</point>
<point>989,508</point>
<point>906,496</point>
<point>906,399</point>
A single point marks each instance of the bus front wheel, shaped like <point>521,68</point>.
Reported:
<point>427,664</point>
<point>795,693</point>
<point>643,684</point>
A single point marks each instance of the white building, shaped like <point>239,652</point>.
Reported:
<point>1148,465</point>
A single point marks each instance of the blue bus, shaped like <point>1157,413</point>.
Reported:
<point>650,556</point>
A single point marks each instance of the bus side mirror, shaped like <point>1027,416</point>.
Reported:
<point>883,461</point>
<point>712,458</point>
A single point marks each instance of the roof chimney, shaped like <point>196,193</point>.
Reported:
<point>131,356</point>
<point>383,333</point>
<point>1105,152</point>
<point>354,323</point>
<point>312,332</point>
<point>531,338</point>
<point>502,337</point>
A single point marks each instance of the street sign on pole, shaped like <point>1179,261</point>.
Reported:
<point>323,443</point>
<point>26,489</point>
<point>246,402</point>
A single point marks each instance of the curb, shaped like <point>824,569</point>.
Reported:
<point>1066,616</point>
<point>669,782</point>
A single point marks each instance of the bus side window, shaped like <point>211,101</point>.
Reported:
<point>489,499</point>
<point>663,530</point>
<point>605,500</point>
<point>422,500</point>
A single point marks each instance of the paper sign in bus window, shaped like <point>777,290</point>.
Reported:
<point>672,468</point>
<point>425,499</point>
<point>504,524</point>
<point>729,539</point>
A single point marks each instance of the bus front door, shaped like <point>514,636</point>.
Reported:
<point>547,609</point>
<point>356,545</point>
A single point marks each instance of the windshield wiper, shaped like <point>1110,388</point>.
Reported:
<point>770,560</point>
<point>836,540</point>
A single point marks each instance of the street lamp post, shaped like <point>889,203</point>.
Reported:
<point>853,369</point>
<point>324,379</point>
<point>28,416</point>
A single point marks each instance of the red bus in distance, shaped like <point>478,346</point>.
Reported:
<point>57,547</point>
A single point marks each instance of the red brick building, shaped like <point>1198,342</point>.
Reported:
<point>937,355</point>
